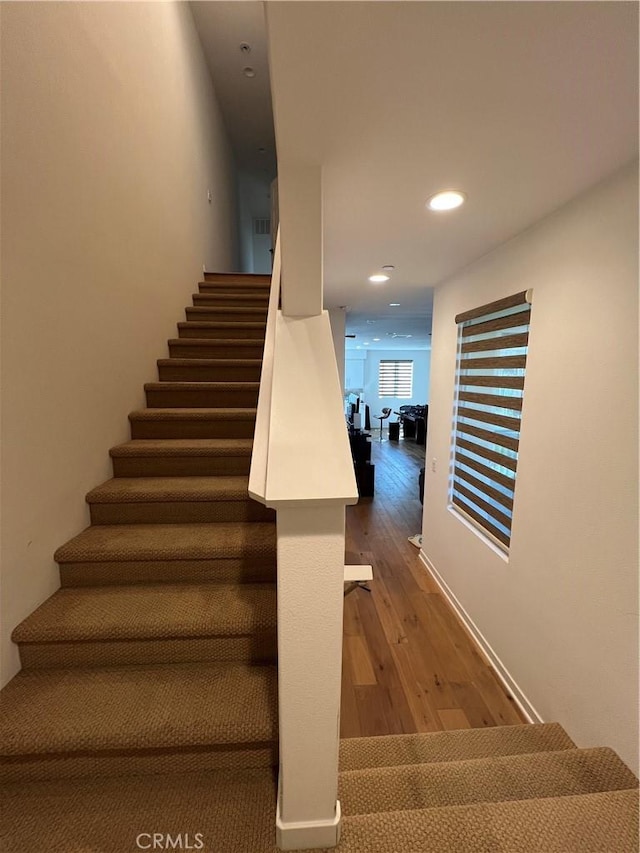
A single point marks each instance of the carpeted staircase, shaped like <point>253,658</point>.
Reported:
<point>147,700</point>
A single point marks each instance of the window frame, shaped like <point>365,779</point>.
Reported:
<point>485,436</point>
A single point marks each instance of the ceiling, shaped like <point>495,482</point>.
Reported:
<point>245,102</point>
<point>522,105</point>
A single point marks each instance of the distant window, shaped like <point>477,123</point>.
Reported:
<point>490,374</point>
<point>395,379</point>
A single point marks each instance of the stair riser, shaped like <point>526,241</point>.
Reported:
<point>180,512</point>
<point>180,466</point>
<point>232,300</point>
<point>218,315</point>
<point>182,373</point>
<point>259,648</point>
<point>223,570</point>
<point>239,279</point>
<point>192,429</point>
<point>138,763</point>
<point>202,399</point>
<point>221,332</point>
<point>221,287</point>
<point>216,350</point>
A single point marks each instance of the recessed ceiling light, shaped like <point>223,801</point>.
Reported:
<point>378,279</point>
<point>388,268</point>
<point>249,71</point>
<point>394,305</point>
<point>358,347</point>
<point>446,200</point>
<point>366,343</point>
<point>376,339</point>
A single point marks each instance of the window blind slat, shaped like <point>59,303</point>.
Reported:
<point>505,500</point>
<point>494,362</point>
<point>499,400</point>
<point>511,321</point>
<point>492,381</point>
<point>495,343</point>
<point>489,418</point>
<point>492,529</point>
<point>495,513</point>
<point>492,307</point>
<point>485,470</point>
<point>486,435</point>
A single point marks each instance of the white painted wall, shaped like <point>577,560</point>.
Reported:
<point>337,318</point>
<point>111,137</point>
<point>561,612</point>
<point>421,367</point>
<point>354,372</point>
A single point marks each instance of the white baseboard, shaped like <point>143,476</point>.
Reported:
<point>508,681</point>
<point>308,835</point>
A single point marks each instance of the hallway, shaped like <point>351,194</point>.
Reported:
<point>408,665</point>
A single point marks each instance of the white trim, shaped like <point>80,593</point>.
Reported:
<point>495,544</point>
<point>354,574</point>
<point>508,681</point>
<point>313,835</point>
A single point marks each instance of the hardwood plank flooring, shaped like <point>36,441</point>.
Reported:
<point>408,663</point>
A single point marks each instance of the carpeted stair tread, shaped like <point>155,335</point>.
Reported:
<point>456,745</point>
<point>204,414</point>
<point>137,708</point>
<point>160,489</point>
<point>234,812</point>
<point>149,542</point>
<point>150,611</point>
<point>605,822</point>
<point>184,447</point>
<point>499,778</point>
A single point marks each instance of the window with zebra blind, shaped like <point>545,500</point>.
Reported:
<point>489,388</point>
<point>395,378</point>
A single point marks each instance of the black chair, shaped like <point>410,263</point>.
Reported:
<point>381,417</point>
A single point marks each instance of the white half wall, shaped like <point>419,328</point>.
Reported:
<point>111,139</point>
<point>561,612</point>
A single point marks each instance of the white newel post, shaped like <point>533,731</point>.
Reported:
<point>309,484</point>
<point>310,606</point>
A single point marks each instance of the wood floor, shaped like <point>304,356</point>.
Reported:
<point>408,664</point>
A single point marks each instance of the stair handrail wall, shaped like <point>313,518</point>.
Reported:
<point>301,466</point>
<point>259,455</point>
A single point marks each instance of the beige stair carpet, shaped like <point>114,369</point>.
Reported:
<point>147,703</point>
<point>158,651</point>
<point>591,803</point>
